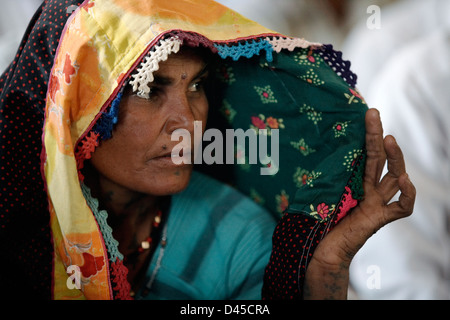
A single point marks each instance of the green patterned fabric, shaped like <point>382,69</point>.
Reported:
<point>320,118</point>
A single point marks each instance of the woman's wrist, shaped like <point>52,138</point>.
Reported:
<point>327,274</point>
<point>326,280</point>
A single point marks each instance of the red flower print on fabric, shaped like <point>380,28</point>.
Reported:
<point>69,70</point>
<point>322,210</point>
<point>258,122</point>
<point>340,128</point>
<point>89,5</point>
<point>352,98</point>
<point>54,87</point>
<point>91,265</point>
<point>282,201</point>
<point>272,122</point>
<point>266,94</point>
<point>269,123</point>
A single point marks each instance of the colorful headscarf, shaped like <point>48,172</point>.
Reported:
<point>265,81</point>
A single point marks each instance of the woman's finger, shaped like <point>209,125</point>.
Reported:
<point>376,156</point>
<point>405,204</point>
<point>388,186</point>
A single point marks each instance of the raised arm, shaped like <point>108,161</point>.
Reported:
<point>327,276</point>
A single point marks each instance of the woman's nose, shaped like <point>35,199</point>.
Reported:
<point>180,114</point>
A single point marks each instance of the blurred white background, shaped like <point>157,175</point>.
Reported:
<point>14,18</point>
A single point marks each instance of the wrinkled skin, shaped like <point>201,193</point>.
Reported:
<point>327,276</point>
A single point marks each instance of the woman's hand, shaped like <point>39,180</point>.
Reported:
<point>328,272</point>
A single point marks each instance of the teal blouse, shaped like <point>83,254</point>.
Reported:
<point>218,243</point>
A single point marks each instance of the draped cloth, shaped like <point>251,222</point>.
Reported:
<point>59,99</point>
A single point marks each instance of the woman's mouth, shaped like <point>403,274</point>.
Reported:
<point>178,158</point>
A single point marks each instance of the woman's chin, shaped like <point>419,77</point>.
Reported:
<point>170,183</point>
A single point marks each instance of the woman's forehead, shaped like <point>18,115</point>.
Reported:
<point>184,59</point>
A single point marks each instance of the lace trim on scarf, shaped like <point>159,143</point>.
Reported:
<point>353,193</point>
<point>106,122</point>
<point>150,64</point>
<point>101,131</point>
<point>84,150</point>
<point>332,57</point>
<point>246,49</point>
<point>279,43</point>
<point>121,286</point>
<point>118,271</point>
<point>338,64</point>
<point>253,47</point>
<point>192,39</point>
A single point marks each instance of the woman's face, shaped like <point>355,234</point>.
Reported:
<point>138,156</point>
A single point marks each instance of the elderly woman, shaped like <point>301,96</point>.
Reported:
<point>126,220</point>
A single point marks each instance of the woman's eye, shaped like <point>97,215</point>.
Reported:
<point>196,86</point>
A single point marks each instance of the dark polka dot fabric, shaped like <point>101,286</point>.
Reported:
<point>25,240</point>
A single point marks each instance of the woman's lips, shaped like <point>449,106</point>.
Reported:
<point>178,159</point>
